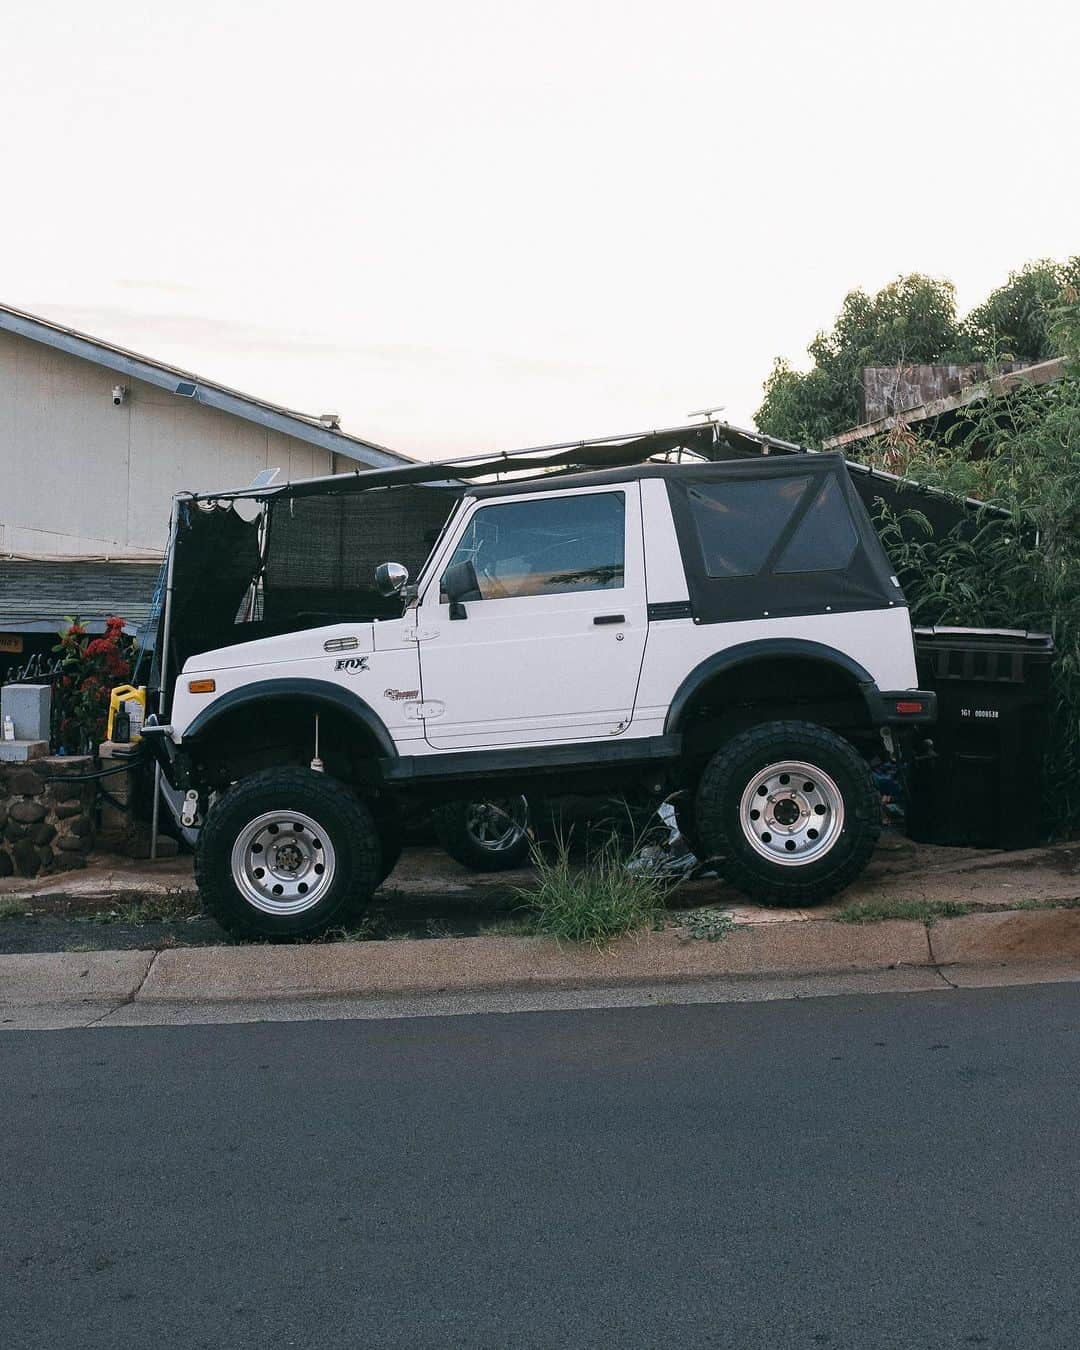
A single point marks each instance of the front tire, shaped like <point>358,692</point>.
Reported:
<point>790,811</point>
<point>287,853</point>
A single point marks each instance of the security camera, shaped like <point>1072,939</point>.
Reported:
<point>119,394</point>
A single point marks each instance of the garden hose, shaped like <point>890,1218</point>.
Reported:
<point>132,763</point>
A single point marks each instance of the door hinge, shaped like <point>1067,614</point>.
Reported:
<point>420,634</point>
<point>423,712</point>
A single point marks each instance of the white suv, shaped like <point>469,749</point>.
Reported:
<point>730,632</point>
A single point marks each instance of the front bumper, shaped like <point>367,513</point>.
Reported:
<point>166,753</point>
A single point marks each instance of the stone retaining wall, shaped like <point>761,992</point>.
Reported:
<point>46,824</point>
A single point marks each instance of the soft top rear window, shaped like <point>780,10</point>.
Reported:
<point>738,524</point>
<point>782,524</point>
<point>825,538</point>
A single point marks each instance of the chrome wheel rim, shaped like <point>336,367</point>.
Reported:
<point>497,826</point>
<point>791,813</point>
<point>283,862</point>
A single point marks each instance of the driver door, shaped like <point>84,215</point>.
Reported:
<point>550,648</point>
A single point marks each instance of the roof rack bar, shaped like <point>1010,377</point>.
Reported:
<point>495,461</point>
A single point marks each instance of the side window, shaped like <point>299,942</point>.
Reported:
<point>551,546</point>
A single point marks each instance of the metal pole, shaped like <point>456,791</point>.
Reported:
<point>163,664</point>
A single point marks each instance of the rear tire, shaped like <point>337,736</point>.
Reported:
<point>391,842</point>
<point>485,836</point>
<point>790,811</point>
<point>287,853</point>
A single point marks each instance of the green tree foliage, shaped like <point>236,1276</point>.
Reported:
<point>913,320</point>
<point>1015,322</point>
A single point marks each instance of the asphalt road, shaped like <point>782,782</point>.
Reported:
<point>863,1172</point>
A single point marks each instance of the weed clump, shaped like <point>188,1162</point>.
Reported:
<point>607,895</point>
<point>920,911</point>
<point>709,925</point>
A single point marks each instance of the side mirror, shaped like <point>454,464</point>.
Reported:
<point>459,584</point>
<point>391,578</point>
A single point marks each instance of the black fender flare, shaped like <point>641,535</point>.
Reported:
<point>320,692</point>
<point>746,653</point>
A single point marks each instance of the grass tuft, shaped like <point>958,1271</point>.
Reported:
<point>598,900</point>
<point>921,911</point>
<point>362,930</point>
<point>170,907</point>
<point>511,925</point>
<point>12,909</point>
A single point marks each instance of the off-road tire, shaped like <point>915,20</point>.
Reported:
<point>451,827</point>
<point>685,809</point>
<point>342,817</point>
<point>717,812</point>
<point>392,840</point>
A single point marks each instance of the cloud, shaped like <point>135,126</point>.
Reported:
<point>210,334</point>
<point>163,287</point>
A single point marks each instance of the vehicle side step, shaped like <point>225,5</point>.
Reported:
<point>538,758</point>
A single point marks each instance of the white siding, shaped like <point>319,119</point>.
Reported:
<point>81,476</point>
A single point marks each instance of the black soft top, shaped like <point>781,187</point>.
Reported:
<point>761,538</point>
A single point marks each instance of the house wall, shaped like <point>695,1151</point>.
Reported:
<point>79,475</point>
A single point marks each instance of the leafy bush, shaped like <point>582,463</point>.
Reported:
<point>600,899</point>
<point>90,668</point>
<point>1022,453</point>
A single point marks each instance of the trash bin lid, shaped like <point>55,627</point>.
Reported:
<point>972,637</point>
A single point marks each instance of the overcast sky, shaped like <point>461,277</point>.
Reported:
<point>464,225</point>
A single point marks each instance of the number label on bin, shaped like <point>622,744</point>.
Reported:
<point>980,712</point>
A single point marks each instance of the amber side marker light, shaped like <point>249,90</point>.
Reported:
<point>201,686</point>
<point>902,707</point>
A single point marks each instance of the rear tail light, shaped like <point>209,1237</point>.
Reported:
<point>909,706</point>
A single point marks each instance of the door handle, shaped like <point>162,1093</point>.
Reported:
<point>609,618</point>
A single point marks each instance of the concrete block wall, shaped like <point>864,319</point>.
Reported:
<point>46,823</point>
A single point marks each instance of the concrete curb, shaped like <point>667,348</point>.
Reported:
<point>1008,935</point>
<point>462,965</point>
<point>72,977</point>
<point>443,965</point>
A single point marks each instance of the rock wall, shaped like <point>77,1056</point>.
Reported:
<point>46,824</point>
<point>124,821</point>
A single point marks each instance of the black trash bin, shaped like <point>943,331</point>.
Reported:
<point>981,784</point>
